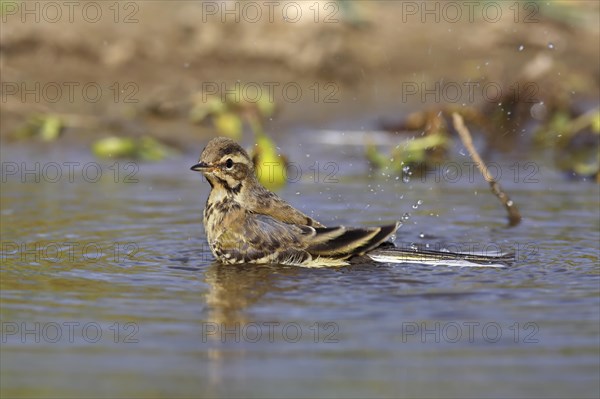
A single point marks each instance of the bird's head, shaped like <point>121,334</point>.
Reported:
<point>225,163</point>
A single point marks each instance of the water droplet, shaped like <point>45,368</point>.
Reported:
<point>551,46</point>
<point>186,65</point>
<point>538,111</point>
<point>406,174</point>
<point>521,47</point>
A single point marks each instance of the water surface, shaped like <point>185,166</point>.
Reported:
<point>116,294</point>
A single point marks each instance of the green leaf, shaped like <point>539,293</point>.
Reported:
<point>228,124</point>
<point>51,128</point>
<point>596,123</point>
<point>115,147</point>
<point>271,167</point>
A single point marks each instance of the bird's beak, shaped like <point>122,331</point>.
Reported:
<point>200,167</point>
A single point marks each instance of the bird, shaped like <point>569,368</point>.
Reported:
<point>245,223</point>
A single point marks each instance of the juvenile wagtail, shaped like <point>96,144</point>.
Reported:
<point>246,223</point>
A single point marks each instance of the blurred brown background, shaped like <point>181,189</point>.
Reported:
<point>150,59</point>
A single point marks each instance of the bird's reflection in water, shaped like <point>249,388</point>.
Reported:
<point>234,288</point>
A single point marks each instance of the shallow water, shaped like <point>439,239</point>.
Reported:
<point>115,293</point>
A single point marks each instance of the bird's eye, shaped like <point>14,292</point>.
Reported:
<point>229,163</point>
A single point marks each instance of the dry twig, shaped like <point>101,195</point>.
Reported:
<point>514,216</point>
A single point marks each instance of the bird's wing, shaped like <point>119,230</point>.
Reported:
<point>261,238</point>
<point>345,242</point>
<point>268,203</point>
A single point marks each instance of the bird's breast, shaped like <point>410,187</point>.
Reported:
<point>219,216</point>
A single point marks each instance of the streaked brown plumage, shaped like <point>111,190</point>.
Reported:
<point>246,223</point>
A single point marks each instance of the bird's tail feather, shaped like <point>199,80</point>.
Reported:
<point>429,257</point>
